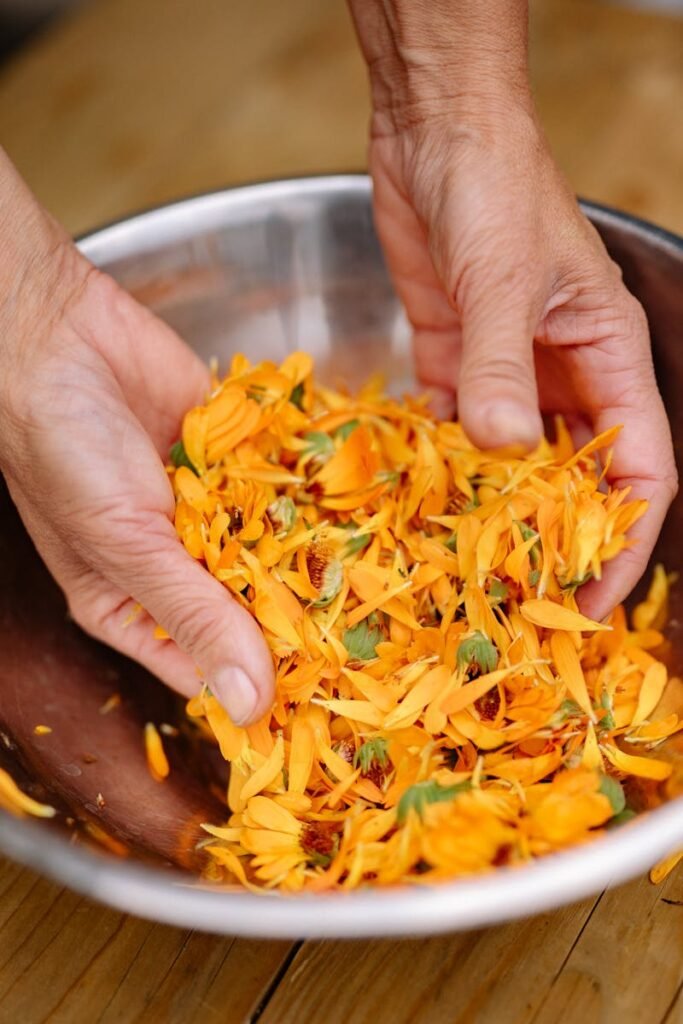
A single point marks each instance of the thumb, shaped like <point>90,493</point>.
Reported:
<point>219,635</point>
<point>497,392</point>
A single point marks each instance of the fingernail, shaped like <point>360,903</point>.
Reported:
<point>236,692</point>
<point>512,423</point>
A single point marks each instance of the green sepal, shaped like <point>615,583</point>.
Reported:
<point>346,429</point>
<point>297,396</point>
<point>430,791</point>
<point>361,640</point>
<point>372,750</point>
<point>614,792</point>
<point>179,457</point>
<point>477,650</point>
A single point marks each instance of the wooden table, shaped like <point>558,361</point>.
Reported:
<point>132,102</point>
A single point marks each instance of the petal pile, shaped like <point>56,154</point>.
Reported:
<point>442,706</point>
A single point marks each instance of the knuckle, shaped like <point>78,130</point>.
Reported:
<point>501,372</point>
<point>85,614</point>
<point>634,317</point>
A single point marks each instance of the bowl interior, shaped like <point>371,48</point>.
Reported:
<point>265,270</point>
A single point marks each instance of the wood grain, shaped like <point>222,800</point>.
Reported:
<point>65,960</point>
<point>618,958</point>
<point>128,103</point>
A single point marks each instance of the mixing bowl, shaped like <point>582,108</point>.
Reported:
<point>264,269</point>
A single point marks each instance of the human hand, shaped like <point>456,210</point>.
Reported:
<point>92,395</point>
<point>515,304</point>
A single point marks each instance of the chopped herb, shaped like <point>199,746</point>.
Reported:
<point>179,457</point>
<point>534,577</point>
<point>430,791</point>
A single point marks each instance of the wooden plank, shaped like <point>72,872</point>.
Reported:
<point>65,959</point>
<point>628,961</point>
<point>493,976</point>
<point>131,103</point>
<point>615,959</point>
<point>608,83</point>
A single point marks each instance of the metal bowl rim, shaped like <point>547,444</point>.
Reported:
<point>505,894</point>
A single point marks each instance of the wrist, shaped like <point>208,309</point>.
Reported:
<point>456,61</point>
<point>41,273</point>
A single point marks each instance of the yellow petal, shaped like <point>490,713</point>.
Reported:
<point>156,755</point>
<point>569,669</point>
<point>14,799</point>
<point>356,710</point>
<point>267,773</point>
<point>591,757</point>
<point>642,767</point>
<point>301,753</point>
<point>471,692</point>
<point>267,814</point>
<point>549,615</point>
<point>665,867</point>
<point>195,427</point>
<point>651,690</point>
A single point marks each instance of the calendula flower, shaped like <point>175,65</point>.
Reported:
<point>442,705</point>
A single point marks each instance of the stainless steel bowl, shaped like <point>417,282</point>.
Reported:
<point>265,269</point>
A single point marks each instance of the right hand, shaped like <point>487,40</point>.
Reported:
<point>92,395</point>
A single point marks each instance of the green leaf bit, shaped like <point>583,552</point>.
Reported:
<point>430,791</point>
